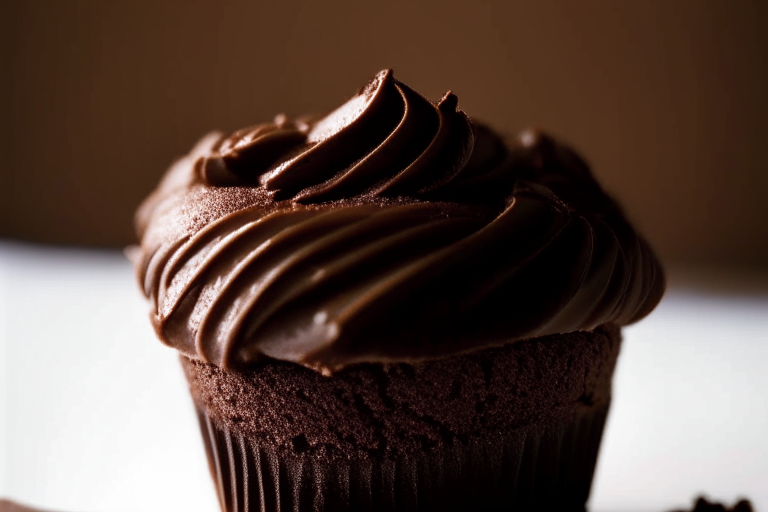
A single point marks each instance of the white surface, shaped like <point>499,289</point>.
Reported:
<point>98,417</point>
<point>95,416</point>
<point>689,412</point>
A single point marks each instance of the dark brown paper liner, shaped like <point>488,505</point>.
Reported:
<point>536,468</point>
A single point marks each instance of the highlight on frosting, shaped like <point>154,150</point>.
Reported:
<point>392,229</point>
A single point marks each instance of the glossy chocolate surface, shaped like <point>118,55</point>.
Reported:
<point>393,229</point>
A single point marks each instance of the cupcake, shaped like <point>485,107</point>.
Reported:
<point>392,308</point>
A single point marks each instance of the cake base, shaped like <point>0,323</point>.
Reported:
<point>510,428</point>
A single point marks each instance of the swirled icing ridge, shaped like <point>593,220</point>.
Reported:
<point>392,229</point>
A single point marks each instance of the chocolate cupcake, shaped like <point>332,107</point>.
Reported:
<point>392,308</point>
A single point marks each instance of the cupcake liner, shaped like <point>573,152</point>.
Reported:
<point>539,467</point>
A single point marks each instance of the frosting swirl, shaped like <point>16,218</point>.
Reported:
<point>392,229</point>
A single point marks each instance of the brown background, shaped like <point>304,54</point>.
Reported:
<point>666,99</point>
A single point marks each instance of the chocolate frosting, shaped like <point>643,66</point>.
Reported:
<point>392,229</point>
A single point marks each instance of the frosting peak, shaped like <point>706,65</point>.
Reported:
<point>392,229</point>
